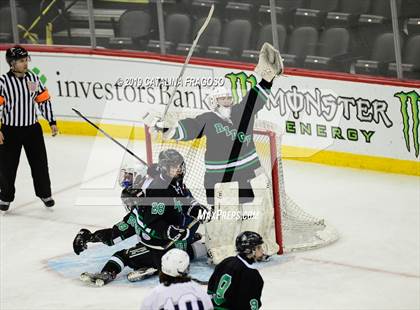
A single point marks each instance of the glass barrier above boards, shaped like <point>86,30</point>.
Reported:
<point>350,36</point>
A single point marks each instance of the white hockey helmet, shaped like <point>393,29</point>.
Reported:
<point>175,263</point>
<point>218,93</point>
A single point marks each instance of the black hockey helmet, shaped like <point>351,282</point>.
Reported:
<point>14,53</point>
<point>171,158</point>
<point>247,241</point>
<point>131,197</point>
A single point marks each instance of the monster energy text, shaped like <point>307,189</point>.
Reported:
<point>325,106</point>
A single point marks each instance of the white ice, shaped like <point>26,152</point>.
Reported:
<point>374,264</point>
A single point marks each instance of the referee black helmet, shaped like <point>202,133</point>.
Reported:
<point>16,52</point>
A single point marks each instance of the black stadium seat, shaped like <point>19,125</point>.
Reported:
<point>236,38</point>
<point>333,51</point>
<point>348,13</point>
<point>265,35</point>
<point>383,53</point>
<point>355,7</point>
<point>236,10</point>
<point>133,30</point>
<point>315,14</point>
<point>303,41</point>
<point>211,37</point>
<point>264,15</point>
<point>411,59</point>
<point>413,26</point>
<point>177,30</point>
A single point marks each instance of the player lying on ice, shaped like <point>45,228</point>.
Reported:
<point>231,156</point>
<point>158,219</point>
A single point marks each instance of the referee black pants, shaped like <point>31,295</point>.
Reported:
<point>32,140</point>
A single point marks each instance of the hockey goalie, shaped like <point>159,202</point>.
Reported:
<point>236,185</point>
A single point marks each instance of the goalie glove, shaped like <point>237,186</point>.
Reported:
<point>177,234</point>
<point>270,63</point>
<point>156,125</point>
<point>200,213</point>
<point>81,240</point>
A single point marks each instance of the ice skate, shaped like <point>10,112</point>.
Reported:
<point>4,206</point>
<point>98,279</point>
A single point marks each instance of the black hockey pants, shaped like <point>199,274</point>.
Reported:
<point>32,140</point>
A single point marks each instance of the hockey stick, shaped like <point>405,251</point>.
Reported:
<point>135,276</point>
<point>109,137</point>
<point>194,44</point>
<point>202,282</point>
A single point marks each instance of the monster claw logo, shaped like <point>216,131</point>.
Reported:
<point>243,79</point>
<point>410,99</point>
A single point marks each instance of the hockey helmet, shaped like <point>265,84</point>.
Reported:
<point>175,263</point>
<point>247,241</point>
<point>218,93</point>
<point>15,53</point>
<point>171,158</point>
<point>131,197</point>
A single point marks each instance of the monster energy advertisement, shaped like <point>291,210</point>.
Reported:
<point>313,113</point>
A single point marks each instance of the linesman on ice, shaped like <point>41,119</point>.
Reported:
<point>21,94</point>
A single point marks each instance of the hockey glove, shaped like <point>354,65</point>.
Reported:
<point>200,213</point>
<point>270,63</point>
<point>81,240</point>
<point>175,233</point>
<point>156,125</point>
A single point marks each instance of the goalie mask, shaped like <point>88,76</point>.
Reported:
<point>131,176</point>
<point>221,101</point>
<point>131,180</point>
<point>172,165</point>
<point>247,242</point>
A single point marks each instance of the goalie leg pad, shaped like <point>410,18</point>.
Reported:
<point>197,250</point>
<point>262,208</point>
<point>225,225</point>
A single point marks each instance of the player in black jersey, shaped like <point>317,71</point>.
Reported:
<point>157,219</point>
<point>235,283</point>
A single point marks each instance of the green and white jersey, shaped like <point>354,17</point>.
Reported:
<point>230,150</point>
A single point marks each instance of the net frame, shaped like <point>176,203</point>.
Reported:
<point>293,227</point>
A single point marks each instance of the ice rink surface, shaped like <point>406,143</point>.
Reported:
<point>374,265</point>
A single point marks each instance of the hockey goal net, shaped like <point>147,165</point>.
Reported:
<point>294,229</point>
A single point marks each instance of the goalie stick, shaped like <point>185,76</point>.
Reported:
<point>109,137</point>
<point>194,44</point>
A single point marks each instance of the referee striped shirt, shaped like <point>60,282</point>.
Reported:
<point>21,97</point>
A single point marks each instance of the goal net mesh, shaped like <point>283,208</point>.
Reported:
<point>299,230</point>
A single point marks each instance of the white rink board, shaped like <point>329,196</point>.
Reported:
<point>367,119</point>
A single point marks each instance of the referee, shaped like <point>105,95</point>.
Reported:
<point>21,93</point>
